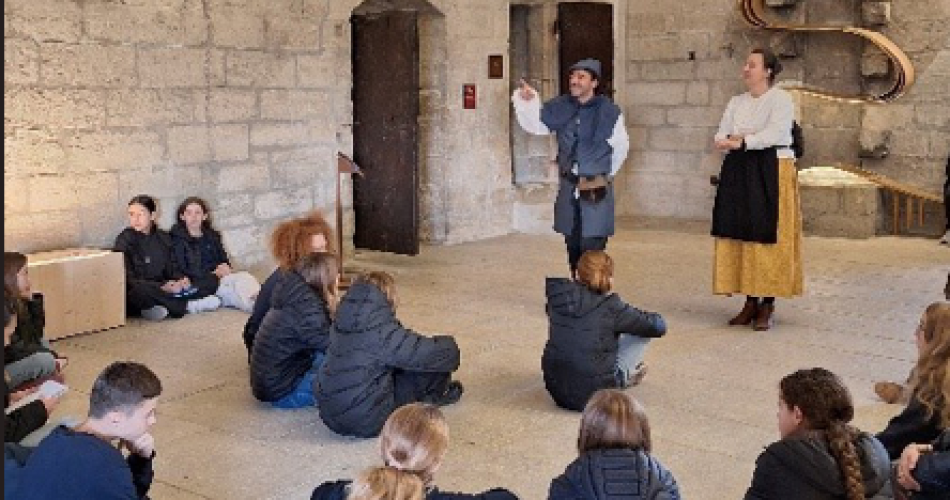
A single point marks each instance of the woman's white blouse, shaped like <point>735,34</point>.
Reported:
<point>763,121</point>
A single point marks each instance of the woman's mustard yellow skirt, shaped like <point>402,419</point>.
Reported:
<point>766,270</point>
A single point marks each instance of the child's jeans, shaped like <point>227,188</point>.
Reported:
<point>630,353</point>
<point>302,395</point>
<point>32,367</point>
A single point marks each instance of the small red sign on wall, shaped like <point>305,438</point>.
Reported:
<point>469,96</point>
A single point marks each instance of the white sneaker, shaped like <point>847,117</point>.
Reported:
<point>946,238</point>
<point>155,313</point>
<point>209,303</point>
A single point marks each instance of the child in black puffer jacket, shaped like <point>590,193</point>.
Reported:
<point>375,365</point>
<point>596,339</point>
<point>615,460</point>
<point>295,333</point>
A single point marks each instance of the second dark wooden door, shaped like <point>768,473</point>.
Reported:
<point>586,30</point>
<point>385,131</point>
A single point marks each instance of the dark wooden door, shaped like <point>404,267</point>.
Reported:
<point>586,30</point>
<point>385,130</point>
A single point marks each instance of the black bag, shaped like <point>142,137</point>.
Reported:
<point>798,142</point>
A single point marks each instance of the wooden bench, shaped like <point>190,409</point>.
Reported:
<point>910,194</point>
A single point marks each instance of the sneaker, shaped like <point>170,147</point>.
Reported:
<point>155,313</point>
<point>452,395</point>
<point>889,392</point>
<point>209,303</point>
<point>633,378</point>
<point>946,238</point>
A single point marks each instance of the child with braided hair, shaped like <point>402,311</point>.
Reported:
<point>819,456</point>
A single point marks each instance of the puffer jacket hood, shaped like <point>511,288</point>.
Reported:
<point>572,299</point>
<point>615,474</point>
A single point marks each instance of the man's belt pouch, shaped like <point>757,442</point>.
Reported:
<point>592,188</point>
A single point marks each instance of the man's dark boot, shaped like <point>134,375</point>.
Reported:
<point>747,314</point>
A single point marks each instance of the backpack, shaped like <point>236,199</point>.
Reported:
<point>798,142</point>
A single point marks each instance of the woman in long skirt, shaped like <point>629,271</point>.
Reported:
<point>757,214</point>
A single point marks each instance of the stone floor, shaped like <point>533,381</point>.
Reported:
<point>710,393</point>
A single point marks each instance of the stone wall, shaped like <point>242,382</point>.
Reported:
<point>243,102</point>
<point>237,101</point>
<point>684,64</point>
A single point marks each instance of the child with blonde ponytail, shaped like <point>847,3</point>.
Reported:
<point>596,340</point>
<point>413,444</point>
<point>814,411</point>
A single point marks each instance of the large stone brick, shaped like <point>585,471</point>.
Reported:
<point>292,32</point>
<point>283,204</point>
<point>236,27</point>
<point>303,166</point>
<point>876,13</point>
<point>94,190</point>
<point>242,242</point>
<point>173,67</point>
<point>233,209</point>
<point>294,104</point>
<point>317,71</point>
<point>261,69</point>
<point>228,105</point>
<point>158,22</point>
<point>189,144</point>
<point>138,107</point>
<point>16,195</point>
<point>697,93</point>
<point>101,224</point>
<point>109,151</point>
<point>43,20</point>
<point>66,65</point>
<point>279,134</point>
<point>230,142</point>
<point>29,152</point>
<point>667,70</point>
<point>657,93</point>
<point>60,230</point>
<point>53,107</point>
<point>694,116</point>
<point>251,177</point>
<point>21,63</point>
<point>936,115</point>
<point>54,192</point>
<point>681,139</point>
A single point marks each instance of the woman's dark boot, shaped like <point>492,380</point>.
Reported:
<point>747,314</point>
<point>763,319</point>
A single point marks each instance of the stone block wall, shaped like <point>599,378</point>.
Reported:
<point>237,101</point>
<point>684,63</point>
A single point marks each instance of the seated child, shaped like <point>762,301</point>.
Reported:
<point>155,286</point>
<point>28,359</point>
<point>615,462</point>
<point>923,472</point>
<point>293,338</point>
<point>413,442</point>
<point>596,339</point>
<point>893,392</point>
<point>84,463</point>
<point>819,456</point>
<point>201,255</point>
<point>32,416</point>
<point>922,421</point>
<point>290,241</point>
<point>375,365</point>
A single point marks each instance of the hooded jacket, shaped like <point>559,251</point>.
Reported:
<point>368,344</point>
<point>581,353</point>
<point>615,474</point>
<point>198,256</point>
<point>803,468</point>
<point>295,328</point>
